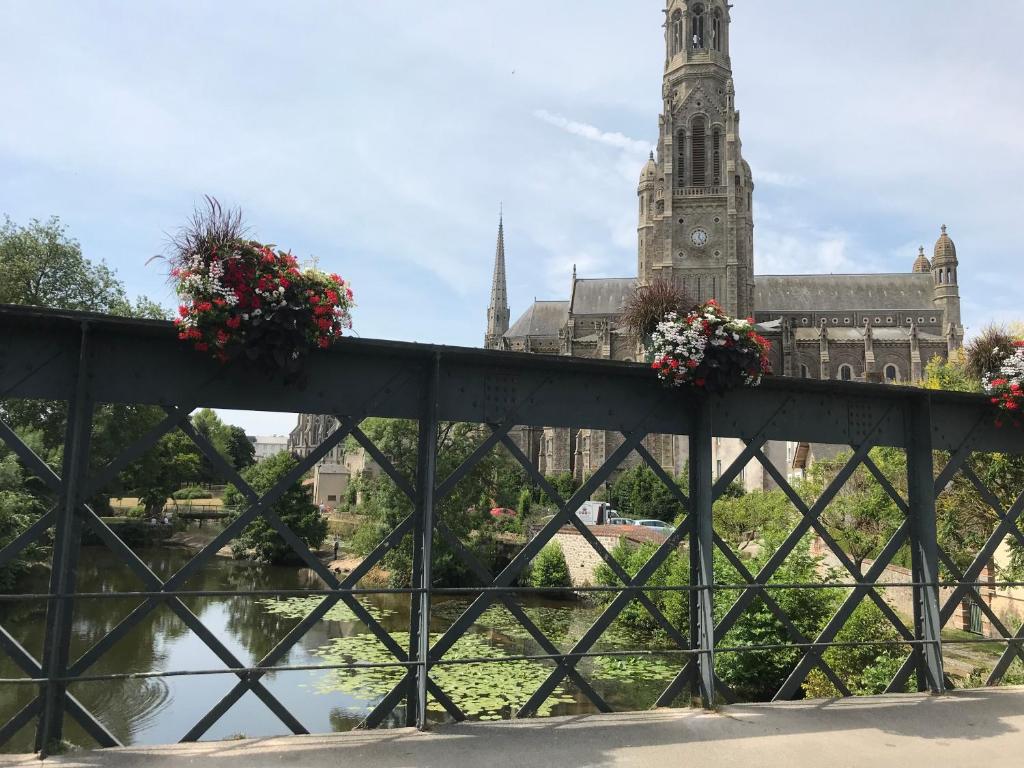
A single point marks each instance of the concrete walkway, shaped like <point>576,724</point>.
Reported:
<point>965,729</point>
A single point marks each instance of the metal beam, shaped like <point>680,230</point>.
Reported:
<point>66,546</point>
<point>702,576</point>
<point>924,546</point>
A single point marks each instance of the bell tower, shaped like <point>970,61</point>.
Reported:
<point>696,226</point>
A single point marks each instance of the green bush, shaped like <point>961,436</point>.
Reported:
<point>192,492</point>
<point>549,570</point>
<point>136,513</point>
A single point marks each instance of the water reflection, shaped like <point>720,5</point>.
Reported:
<point>162,710</point>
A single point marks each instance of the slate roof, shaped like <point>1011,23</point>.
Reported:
<point>601,296</point>
<point>838,293</point>
<point>543,318</point>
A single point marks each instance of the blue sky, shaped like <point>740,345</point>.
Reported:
<point>381,136</point>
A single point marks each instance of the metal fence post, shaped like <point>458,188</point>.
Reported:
<point>702,617</point>
<point>423,543</point>
<point>924,545</point>
<point>66,546</point>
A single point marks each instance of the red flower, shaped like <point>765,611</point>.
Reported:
<point>324,342</point>
<point>314,299</point>
<point>285,282</point>
<point>233,322</point>
<point>183,310</point>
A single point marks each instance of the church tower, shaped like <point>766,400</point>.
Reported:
<point>498,312</point>
<point>696,225</point>
<point>947,291</point>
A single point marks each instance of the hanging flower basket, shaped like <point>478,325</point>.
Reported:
<point>1006,388</point>
<point>708,350</point>
<point>242,299</point>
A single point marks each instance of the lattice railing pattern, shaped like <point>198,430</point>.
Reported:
<point>434,385</point>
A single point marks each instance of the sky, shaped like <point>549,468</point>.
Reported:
<point>382,137</point>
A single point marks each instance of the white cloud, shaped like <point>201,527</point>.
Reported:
<point>593,133</point>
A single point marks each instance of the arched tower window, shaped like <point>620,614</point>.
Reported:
<point>846,373</point>
<point>699,158</point>
<point>677,32</point>
<point>716,157</point>
<point>805,372</point>
<point>892,373</point>
<point>716,30</point>
<point>697,27</point>
<point>680,169</point>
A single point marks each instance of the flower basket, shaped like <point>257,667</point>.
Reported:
<point>245,300</point>
<point>708,350</point>
<point>1006,388</point>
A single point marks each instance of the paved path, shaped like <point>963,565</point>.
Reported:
<point>966,729</point>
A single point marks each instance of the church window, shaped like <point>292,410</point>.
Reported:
<point>846,321</point>
<point>716,30</point>
<point>680,168</point>
<point>846,373</point>
<point>716,157</point>
<point>933,320</point>
<point>805,372</point>
<point>803,320</point>
<point>697,27</point>
<point>835,321</point>
<point>892,373</point>
<point>878,321</point>
<point>888,320</point>
<point>677,32</point>
<point>699,160</point>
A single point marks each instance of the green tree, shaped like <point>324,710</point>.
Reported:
<point>867,670</point>
<point>18,509</point>
<point>496,479</point>
<point>750,517</point>
<point>862,517</point>
<point>259,541</point>
<point>549,569</point>
<point>639,493</point>
<point>41,265</point>
<point>241,451</point>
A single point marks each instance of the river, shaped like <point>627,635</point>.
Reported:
<point>162,710</point>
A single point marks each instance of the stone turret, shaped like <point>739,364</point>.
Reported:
<point>921,264</point>
<point>497,311</point>
<point>947,290</point>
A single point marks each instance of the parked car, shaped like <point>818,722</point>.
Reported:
<point>620,521</point>
<point>658,525</point>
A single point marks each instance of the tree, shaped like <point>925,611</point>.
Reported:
<point>259,541</point>
<point>549,570</point>
<point>41,265</point>
<point>639,493</point>
<point>495,479</point>
<point>241,451</point>
<point>742,519</point>
<point>950,374</point>
<point>18,510</point>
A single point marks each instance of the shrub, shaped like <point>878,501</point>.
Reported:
<point>192,492</point>
<point>549,570</point>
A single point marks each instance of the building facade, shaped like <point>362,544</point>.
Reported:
<point>696,229</point>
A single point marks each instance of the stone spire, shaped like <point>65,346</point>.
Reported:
<point>497,311</point>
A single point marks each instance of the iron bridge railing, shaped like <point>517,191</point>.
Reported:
<point>71,357</point>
